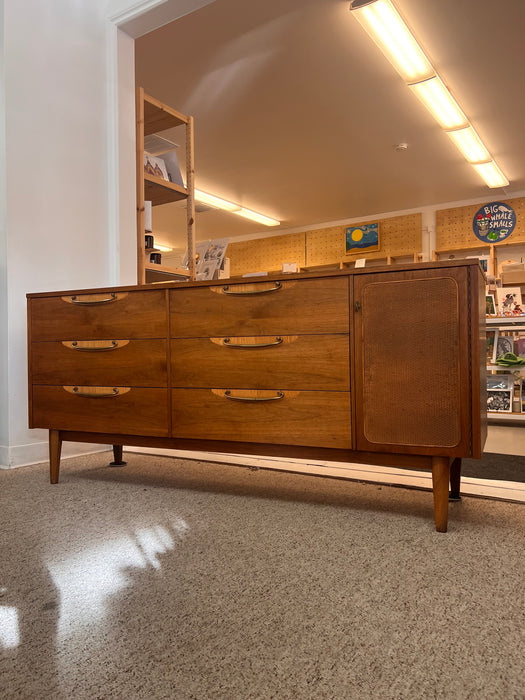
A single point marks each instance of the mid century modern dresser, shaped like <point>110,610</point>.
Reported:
<point>379,365</point>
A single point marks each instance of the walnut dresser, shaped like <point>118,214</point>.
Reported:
<point>380,366</point>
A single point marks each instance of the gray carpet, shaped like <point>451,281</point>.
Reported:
<point>496,467</point>
<point>191,580</point>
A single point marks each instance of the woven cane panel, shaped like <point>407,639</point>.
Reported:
<point>266,254</point>
<point>454,226</point>
<point>399,236</point>
<point>411,381</point>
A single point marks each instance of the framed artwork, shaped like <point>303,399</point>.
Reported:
<point>500,382</point>
<point>491,344</point>
<point>499,401</point>
<point>490,305</point>
<point>509,301</point>
<point>504,344</point>
<point>155,166</point>
<point>362,237</point>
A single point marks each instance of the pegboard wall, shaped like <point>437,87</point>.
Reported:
<point>399,236</point>
<point>454,226</point>
<point>266,254</point>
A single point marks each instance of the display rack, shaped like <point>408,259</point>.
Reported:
<point>508,324</point>
<point>153,117</point>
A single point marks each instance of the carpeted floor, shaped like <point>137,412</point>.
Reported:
<point>197,581</point>
<point>496,467</point>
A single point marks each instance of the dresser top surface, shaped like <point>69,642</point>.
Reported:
<point>281,276</point>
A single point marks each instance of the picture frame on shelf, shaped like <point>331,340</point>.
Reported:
<point>153,165</point>
<point>519,344</point>
<point>504,344</point>
<point>490,302</point>
<point>509,301</point>
<point>491,336</point>
<point>500,401</point>
<point>362,237</point>
<point>500,382</point>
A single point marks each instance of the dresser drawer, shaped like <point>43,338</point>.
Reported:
<point>99,316</point>
<point>308,362</point>
<point>308,418</point>
<point>131,411</point>
<point>127,362</point>
<point>261,308</point>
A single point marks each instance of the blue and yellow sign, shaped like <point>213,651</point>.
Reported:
<point>494,222</point>
<point>362,237</point>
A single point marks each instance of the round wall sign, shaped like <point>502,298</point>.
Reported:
<point>494,222</point>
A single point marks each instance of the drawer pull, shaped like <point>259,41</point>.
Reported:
<point>227,290</point>
<point>94,348</point>
<point>228,344</point>
<point>91,302</point>
<point>95,395</point>
<point>228,395</point>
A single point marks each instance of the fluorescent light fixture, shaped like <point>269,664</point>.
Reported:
<point>219,203</point>
<point>471,146</point>
<point>255,216</point>
<point>440,103</point>
<point>163,248</point>
<point>214,201</point>
<point>388,30</point>
<point>491,174</point>
<point>384,25</point>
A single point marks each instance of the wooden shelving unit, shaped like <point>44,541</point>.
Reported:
<point>153,117</point>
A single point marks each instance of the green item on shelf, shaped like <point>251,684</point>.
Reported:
<point>509,359</point>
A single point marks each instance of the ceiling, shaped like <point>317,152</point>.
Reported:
<point>297,113</point>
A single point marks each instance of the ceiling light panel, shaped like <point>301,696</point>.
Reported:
<point>219,203</point>
<point>491,174</point>
<point>440,103</point>
<point>255,216</point>
<point>470,145</point>
<point>385,26</point>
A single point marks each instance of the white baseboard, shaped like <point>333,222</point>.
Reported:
<point>502,490</point>
<point>36,452</point>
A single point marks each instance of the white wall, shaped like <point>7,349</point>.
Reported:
<point>56,202</point>
<point>67,170</point>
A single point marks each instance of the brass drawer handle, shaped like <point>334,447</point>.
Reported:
<point>228,344</point>
<point>94,348</point>
<point>280,395</point>
<point>95,395</point>
<point>91,302</point>
<point>226,290</point>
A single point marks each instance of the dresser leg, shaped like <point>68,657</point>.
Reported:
<point>117,457</point>
<point>440,481</point>
<point>455,480</point>
<point>55,448</point>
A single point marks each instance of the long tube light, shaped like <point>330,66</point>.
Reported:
<point>440,103</point>
<point>220,203</point>
<point>384,24</point>
<point>388,30</point>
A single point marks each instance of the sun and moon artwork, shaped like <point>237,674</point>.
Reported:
<point>362,237</point>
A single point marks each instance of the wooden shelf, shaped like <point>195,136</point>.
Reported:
<point>178,271</point>
<point>503,321</point>
<point>152,117</point>
<point>160,191</point>
<point>159,117</point>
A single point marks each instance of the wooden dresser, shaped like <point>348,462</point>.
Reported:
<point>380,366</point>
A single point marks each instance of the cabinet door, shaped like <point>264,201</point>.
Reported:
<point>412,376</point>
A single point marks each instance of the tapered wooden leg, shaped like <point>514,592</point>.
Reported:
<point>117,457</point>
<point>455,480</point>
<point>440,480</point>
<point>55,448</point>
